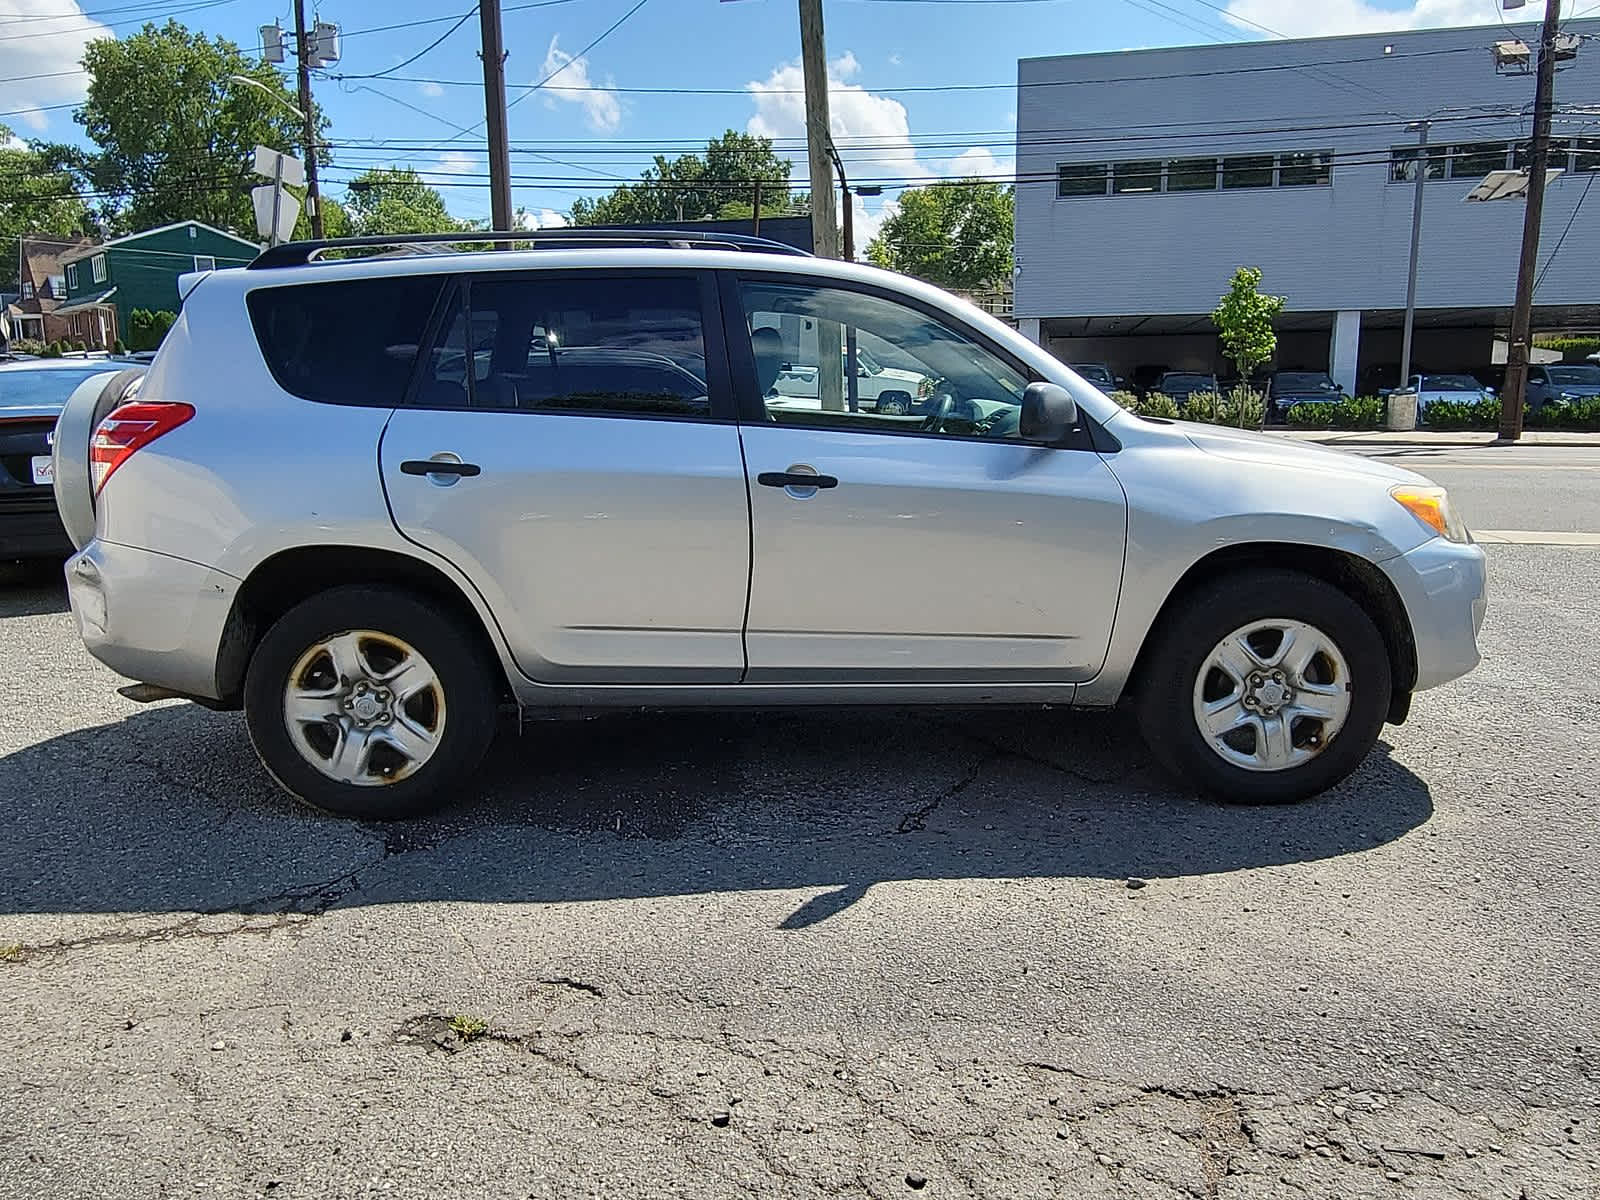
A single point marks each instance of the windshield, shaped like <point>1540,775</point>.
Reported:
<point>1450,383</point>
<point>53,385</point>
<point>1580,375</point>
<point>1302,381</point>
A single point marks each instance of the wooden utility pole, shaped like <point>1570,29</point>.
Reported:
<point>1512,398</point>
<point>308,147</point>
<point>494,113</point>
<point>814,61</point>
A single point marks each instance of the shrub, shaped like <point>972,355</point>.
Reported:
<point>53,350</point>
<point>1128,400</point>
<point>1243,408</point>
<point>27,346</point>
<point>1576,414</point>
<point>119,347</point>
<point>1158,404</point>
<point>146,329</point>
<point>1310,416</point>
<point>1462,414</point>
<point>1359,412</point>
<point>1202,406</point>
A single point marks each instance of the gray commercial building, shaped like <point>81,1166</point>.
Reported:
<point>1148,176</point>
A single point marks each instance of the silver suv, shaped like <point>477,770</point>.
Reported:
<point>377,501</point>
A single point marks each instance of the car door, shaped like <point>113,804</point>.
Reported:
<point>935,546</point>
<point>569,444</point>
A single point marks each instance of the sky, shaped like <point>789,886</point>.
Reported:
<point>585,130</point>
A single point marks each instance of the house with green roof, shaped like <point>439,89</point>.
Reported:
<point>106,282</point>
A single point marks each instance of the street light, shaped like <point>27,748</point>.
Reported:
<point>862,189</point>
<point>261,87</point>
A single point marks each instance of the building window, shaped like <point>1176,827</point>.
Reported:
<point>1081,179</point>
<point>72,276</point>
<point>1474,160</point>
<point>1192,175</point>
<point>97,268</point>
<point>1403,162</point>
<point>1307,168</point>
<point>27,289</point>
<point>1586,154</point>
<point>205,262</point>
<point>1140,176</point>
<point>1247,171</point>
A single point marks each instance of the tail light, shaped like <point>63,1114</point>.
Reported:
<point>131,427</point>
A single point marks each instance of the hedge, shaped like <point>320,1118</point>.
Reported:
<point>1573,347</point>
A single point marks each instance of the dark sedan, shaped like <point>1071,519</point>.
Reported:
<point>32,395</point>
<point>1286,389</point>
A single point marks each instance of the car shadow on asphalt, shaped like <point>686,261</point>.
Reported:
<point>28,589</point>
<point>168,810</point>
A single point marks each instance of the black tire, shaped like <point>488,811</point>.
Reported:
<point>1202,619</point>
<point>894,404</point>
<point>467,679</point>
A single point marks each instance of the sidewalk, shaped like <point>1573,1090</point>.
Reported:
<point>1427,437</point>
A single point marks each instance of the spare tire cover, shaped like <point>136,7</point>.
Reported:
<point>88,405</point>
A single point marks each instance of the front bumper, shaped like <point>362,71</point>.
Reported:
<point>150,616</point>
<point>1444,586</point>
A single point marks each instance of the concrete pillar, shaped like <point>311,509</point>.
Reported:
<point>1029,328</point>
<point>1345,349</point>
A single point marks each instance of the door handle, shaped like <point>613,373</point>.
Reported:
<point>434,466</point>
<point>795,479</point>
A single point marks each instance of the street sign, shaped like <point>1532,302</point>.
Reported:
<point>266,164</point>
<point>288,212</point>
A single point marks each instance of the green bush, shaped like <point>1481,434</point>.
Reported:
<point>1128,400</point>
<point>1462,414</point>
<point>1310,416</point>
<point>1159,404</point>
<point>119,347</point>
<point>1577,414</point>
<point>27,346</point>
<point>1202,406</point>
<point>1573,347</point>
<point>1359,412</point>
<point>1243,408</point>
<point>53,350</point>
<point>146,329</point>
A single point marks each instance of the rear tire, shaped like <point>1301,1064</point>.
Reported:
<point>1275,730</point>
<point>365,702</point>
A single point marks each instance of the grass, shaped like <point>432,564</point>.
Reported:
<point>11,952</point>
<point>468,1027</point>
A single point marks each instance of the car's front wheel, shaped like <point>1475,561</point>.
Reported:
<point>1265,686</point>
<point>365,702</point>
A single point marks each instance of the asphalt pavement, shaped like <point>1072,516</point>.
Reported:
<point>840,954</point>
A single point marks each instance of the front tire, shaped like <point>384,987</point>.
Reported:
<point>1266,686</point>
<point>364,702</point>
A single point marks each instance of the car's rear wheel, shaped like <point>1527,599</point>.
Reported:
<point>1265,686</point>
<point>365,702</point>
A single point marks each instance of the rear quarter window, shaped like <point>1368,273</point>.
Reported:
<point>349,341</point>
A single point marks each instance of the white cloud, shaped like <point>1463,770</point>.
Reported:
<point>460,162</point>
<point>601,107</point>
<point>867,223</point>
<point>895,60</point>
<point>978,162</point>
<point>539,218</point>
<point>1297,18</point>
<point>45,38</point>
<point>872,132</point>
<point>432,90</point>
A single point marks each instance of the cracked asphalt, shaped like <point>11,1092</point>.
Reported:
<point>802,955</point>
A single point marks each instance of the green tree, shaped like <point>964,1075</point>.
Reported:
<point>1243,318</point>
<point>175,135</point>
<point>955,234</point>
<point>696,187</point>
<point>388,200</point>
<point>34,198</point>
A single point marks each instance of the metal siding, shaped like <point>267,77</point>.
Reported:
<point>1325,248</point>
<point>146,269</point>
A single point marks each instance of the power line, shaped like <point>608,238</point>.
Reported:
<point>465,17</point>
<point>609,30</point>
<point>1556,249</point>
<point>90,26</point>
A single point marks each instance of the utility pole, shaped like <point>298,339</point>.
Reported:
<point>1512,398</point>
<point>309,142</point>
<point>494,111</point>
<point>1416,245</point>
<point>814,60</point>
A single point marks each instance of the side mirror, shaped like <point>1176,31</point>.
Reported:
<point>1048,412</point>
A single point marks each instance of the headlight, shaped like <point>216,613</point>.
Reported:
<point>1569,396</point>
<point>1431,506</point>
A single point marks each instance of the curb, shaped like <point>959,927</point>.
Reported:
<point>1441,440</point>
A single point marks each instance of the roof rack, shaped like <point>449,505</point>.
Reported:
<point>298,254</point>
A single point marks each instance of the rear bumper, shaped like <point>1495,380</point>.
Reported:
<point>33,532</point>
<point>1444,586</point>
<point>149,616</point>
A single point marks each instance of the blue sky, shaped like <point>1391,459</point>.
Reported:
<point>749,47</point>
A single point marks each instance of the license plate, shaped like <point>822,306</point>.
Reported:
<point>44,469</point>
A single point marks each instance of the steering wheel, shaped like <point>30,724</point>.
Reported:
<point>939,407</point>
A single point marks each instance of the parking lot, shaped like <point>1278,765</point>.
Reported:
<point>954,954</point>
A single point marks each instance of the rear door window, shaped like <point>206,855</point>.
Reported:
<point>350,341</point>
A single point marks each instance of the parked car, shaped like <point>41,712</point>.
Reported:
<point>1098,374</point>
<point>1560,384</point>
<point>1287,389</point>
<point>32,394</point>
<point>1456,388</point>
<point>372,560</point>
<point>1180,385</point>
<point>1146,377</point>
<point>878,388</point>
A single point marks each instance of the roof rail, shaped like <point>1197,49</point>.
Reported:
<point>298,254</point>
